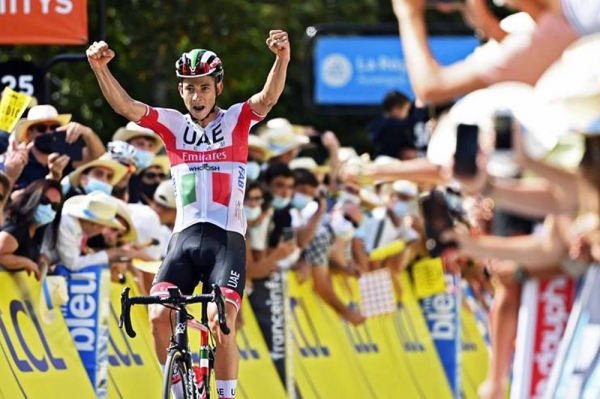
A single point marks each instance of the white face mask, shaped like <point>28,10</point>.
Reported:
<point>401,208</point>
<point>252,213</point>
<point>342,228</point>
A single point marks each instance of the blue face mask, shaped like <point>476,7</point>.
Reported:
<point>143,159</point>
<point>43,214</point>
<point>252,171</point>
<point>280,202</point>
<point>299,200</point>
<point>401,208</point>
<point>252,213</point>
<point>98,185</point>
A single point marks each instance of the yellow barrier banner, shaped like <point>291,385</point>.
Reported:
<point>474,355</point>
<point>377,349</point>
<point>324,363</point>
<point>12,106</point>
<point>132,364</point>
<point>428,276</point>
<point>257,375</point>
<point>40,360</point>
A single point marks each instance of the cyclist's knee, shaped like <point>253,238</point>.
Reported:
<point>230,315</point>
<point>159,315</point>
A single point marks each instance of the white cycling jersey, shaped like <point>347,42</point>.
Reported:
<point>208,165</point>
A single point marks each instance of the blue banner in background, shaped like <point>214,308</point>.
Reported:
<point>441,313</point>
<point>360,70</point>
<point>86,315</point>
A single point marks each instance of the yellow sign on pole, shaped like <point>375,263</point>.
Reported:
<point>12,106</point>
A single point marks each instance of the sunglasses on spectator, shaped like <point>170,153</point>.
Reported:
<point>2,197</point>
<point>348,218</point>
<point>44,127</point>
<point>54,205</point>
<point>153,175</point>
<point>255,199</point>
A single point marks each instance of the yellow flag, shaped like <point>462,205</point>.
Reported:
<point>12,106</point>
<point>428,275</point>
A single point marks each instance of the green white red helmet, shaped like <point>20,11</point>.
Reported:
<point>199,62</point>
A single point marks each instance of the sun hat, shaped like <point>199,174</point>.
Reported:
<point>258,148</point>
<point>164,195</point>
<point>39,114</point>
<point>310,164</point>
<point>105,161</point>
<point>405,187</point>
<point>133,130</point>
<point>95,207</point>
<point>123,211</point>
<point>280,136</point>
<point>162,161</point>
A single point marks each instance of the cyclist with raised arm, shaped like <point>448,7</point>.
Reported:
<point>208,149</point>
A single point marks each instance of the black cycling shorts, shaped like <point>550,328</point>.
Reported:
<point>205,253</point>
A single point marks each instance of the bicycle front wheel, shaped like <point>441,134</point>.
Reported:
<point>176,360</point>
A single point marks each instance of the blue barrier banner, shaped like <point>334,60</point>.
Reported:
<point>86,314</point>
<point>360,70</point>
<point>441,313</point>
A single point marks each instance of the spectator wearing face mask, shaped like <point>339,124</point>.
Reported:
<point>340,226</point>
<point>149,178</point>
<point>45,119</point>
<point>37,206</point>
<point>99,175</point>
<point>83,217</point>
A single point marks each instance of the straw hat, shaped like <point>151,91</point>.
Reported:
<point>123,211</point>
<point>405,187</point>
<point>39,114</point>
<point>310,164</point>
<point>346,153</point>
<point>133,130</point>
<point>95,207</point>
<point>258,148</point>
<point>164,195</point>
<point>162,161</point>
<point>280,136</point>
<point>104,161</point>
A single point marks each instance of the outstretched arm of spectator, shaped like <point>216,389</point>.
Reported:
<point>262,102</point>
<point>99,55</point>
<point>477,14</point>
<point>546,249</point>
<point>417,170</point>
<point>306,232</point>
<point>262,268</point>
<point>332,144</point>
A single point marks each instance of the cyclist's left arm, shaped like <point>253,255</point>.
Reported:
<point>262,102</point>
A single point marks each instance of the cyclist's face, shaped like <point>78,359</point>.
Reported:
<point>200,95</point>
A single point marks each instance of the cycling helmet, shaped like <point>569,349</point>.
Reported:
<point>199,62</point>
<point>122,152</point>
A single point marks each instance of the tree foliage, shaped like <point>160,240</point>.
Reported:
<point>149,35</point>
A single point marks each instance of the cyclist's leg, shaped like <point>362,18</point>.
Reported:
<point>229,273</point>
<point>176,270</point>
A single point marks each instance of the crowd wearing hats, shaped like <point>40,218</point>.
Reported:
<point>87,204</point>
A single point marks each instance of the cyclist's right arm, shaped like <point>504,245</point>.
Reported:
<point>99,55</point>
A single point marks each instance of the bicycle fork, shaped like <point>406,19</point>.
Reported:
<point>205,360</point>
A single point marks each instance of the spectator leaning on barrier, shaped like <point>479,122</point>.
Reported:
<point>339,226</point>
<point>44,119</point>
<point>36,207</point>
<point>85,216</point>
<point>99,175</point>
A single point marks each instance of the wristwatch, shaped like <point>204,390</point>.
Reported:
<point>520,275</point>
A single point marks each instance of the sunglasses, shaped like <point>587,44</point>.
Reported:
<point>348,218</point>
<point>54,205</point>
<point>2,197</point>
<point>44,127</point>
<point>152,175</point>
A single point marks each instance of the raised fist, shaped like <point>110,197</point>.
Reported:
<point>99,54</point>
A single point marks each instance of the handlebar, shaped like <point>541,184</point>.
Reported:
<point>175,298</point>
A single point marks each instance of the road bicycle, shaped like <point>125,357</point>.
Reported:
<point>179,355</point>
